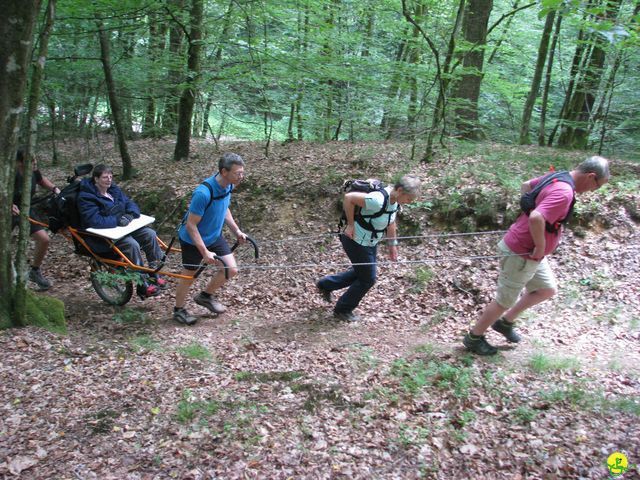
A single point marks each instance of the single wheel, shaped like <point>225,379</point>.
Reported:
<point>111,289</point>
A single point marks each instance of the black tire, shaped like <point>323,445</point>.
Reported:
<point>116,292</point>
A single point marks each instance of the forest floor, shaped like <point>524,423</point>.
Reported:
<point>276,388</point>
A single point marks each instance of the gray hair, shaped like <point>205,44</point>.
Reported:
<point>409,184</point>
<point>228,160</point>
<point>595,164</point>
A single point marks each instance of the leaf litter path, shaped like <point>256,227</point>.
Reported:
<point>276,389</point>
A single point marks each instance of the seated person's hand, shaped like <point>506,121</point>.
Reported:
<point>133,214</point>
<point>125,220</point>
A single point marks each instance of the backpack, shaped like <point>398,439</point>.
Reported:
<point>62,209</point>
<point>528,200</point>
<point>367,186</point>
<point>212,198</point>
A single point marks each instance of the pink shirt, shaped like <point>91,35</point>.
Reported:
<point>553,203</point>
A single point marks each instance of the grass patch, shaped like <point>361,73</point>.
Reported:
<point>188,408</point>
<point>543,363</point>
<point>195,351</point>
<point>420,278</point>
<point>524,414</point>
<point>145,342</point>
<point>416,375</point>
<point>130,315</point>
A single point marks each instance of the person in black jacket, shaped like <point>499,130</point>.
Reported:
<point>102,204</point>
<point>37,232</point>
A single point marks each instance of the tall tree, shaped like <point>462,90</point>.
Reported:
<point>467,91</point>
<point>537,78</point>
<point>116,111</point>
<point>189,92</point>
<point>16,36</point>
<point>20,308</point>
<point>547,82</point>
<point>578,117</point>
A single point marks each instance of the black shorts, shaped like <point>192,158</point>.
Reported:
<point>33,228</point>
<point>191,257</point>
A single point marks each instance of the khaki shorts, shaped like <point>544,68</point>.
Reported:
<point>517,273</point>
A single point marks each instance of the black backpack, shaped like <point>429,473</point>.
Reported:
<point>62,209</point>
<point>528,200</point>
<point>367,186</point>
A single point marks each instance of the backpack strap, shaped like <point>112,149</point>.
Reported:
<point>365,220</point>
<point>212,198</point>
<point>550,179</point>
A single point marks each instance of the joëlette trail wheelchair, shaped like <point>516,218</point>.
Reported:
<point>112,274</point>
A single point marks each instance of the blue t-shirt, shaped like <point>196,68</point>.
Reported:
<point>372,204</point>
<point>212,221</point>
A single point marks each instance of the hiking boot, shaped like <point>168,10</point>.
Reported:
<point>208,301</point>
<point>159,282</point>
<point>346,316</point>
<point>325,294</point>
<point>35,275</point>
<point>478,344</point>
<point>506,328</point>
<point>181,315</point>
<point>145,291</point>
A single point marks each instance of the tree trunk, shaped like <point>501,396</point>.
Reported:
<point>105,56</point>
<point>547,82</point>
<point>578,119</point>
<point>20,299</point>
<point>174,75</point>
<point>157,45</point>
<point>16,36</point>
<point>188,97</point>
<point>475,23</point>
<point>537,78</point>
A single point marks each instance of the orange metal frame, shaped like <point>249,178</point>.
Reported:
<point>70,232</point>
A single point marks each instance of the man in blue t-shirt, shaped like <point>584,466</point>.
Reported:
<point>201,237</point>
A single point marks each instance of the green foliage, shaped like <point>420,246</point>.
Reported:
<point>114,279</point>
<point>188,408</point>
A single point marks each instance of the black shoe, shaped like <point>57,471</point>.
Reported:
<point>35,275</point>
<point>346,316</point>
<point>325,294</point>
<point>506,328</point>
<point>478,344</point>
<point>209,301</point>
<point>181,315</point>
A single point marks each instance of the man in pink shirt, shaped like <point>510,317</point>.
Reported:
<point>524,249</point>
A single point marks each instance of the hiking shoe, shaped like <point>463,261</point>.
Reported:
<point>35,275</point>
<point>181,315</point>
<point>325,294</point>
<point>346,316</point>
<point>209,302</point>
<point>506,328</point>
<point>159,282</point>
<point>478,344</point>
<point>145,291</point>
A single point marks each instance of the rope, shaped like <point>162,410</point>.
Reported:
<point>408,237</point>
<point>342,265</point>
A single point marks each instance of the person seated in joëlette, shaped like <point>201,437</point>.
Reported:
<point>102,204</point>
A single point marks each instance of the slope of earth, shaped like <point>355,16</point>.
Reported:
<point>275,388</point>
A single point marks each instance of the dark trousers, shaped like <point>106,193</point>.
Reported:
<point>359,278</point>
<point>145,239</point>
